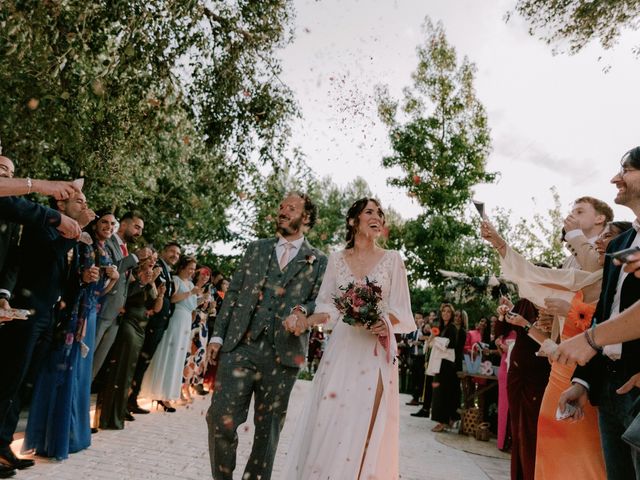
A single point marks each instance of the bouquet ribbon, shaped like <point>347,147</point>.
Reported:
<point>388,341</point>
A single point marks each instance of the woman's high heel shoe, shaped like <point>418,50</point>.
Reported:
<point>165,405</point>
<point>441,427</point>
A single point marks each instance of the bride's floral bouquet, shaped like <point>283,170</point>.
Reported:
<point>360,302</point>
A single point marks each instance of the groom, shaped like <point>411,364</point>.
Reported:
<point>277,281</point>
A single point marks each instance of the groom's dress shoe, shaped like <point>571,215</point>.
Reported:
<point>8,459</point>
<point>135,408</point>
<point>420,413</point>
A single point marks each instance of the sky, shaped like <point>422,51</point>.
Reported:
<point>556,120</point>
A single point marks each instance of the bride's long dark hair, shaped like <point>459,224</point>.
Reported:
<point>354,214</point>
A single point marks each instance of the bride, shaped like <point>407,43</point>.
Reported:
<point>349,428</point>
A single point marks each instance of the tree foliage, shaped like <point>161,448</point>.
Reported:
<point>578,22</point>
<point>477,261</point>
<point>440,140</point>
<point>333,201</point>
<point>167,107</point>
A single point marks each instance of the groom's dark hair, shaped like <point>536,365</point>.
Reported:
<point>310,208</point>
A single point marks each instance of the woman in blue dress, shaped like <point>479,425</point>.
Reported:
<point>59,421</point>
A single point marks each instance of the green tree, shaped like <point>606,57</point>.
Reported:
<point>541,239</point>
<point>440,140</point>
<point>578,22</point>
<point>168,107</point>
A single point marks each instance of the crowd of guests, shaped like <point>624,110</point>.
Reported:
<point>558,419</point>
<point>135,324</point>
<point>438,392</point>
<point>84,305</point>
<point>568,420</point>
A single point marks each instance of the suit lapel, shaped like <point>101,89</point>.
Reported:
<point>114,249</point>
<point>620,243</point>
<point>297,263</point>
<point>267,249</point>
<point>168,281</point>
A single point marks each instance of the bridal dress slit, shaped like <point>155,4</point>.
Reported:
<point>349,428</point>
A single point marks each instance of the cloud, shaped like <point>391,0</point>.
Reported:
<point>517,149</point>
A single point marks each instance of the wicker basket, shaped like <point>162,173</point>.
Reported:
<point>483,432</point>
<point>471,418</point>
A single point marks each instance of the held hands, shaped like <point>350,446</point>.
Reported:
<point>576,395</point>
<point>296,323</point>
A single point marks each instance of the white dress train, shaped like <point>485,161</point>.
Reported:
<point>330,442</point>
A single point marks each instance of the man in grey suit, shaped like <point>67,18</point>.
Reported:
<point>276,283</point>
<point>131,226</point>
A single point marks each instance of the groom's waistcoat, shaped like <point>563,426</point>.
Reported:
<point>260,297</point>
<point>270,301</point>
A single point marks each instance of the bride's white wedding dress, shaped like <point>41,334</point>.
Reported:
<point>330,442</point>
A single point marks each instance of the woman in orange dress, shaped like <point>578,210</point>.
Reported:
<point>579,442</point>
<point>584,436</point>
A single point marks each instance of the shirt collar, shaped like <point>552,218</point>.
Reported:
<point>296,243</point>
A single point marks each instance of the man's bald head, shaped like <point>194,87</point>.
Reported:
<point>7,168</point>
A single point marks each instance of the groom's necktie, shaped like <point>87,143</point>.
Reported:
<point>284,259</point>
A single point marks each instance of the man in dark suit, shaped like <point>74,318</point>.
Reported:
<point>42,266</point>
<point>157,324</point>
<point>16,211</point>
<point>130,229</point>
<point>278,279</point>
<point>415,343</point>
<point>601,378</point>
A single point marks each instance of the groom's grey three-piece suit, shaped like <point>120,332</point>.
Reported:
<point>258,356</point>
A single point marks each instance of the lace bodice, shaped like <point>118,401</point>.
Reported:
<point>389,273</point>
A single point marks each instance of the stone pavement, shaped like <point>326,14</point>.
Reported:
<point>169,446</point>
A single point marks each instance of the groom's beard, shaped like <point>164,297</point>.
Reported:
<point>293,227</point>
